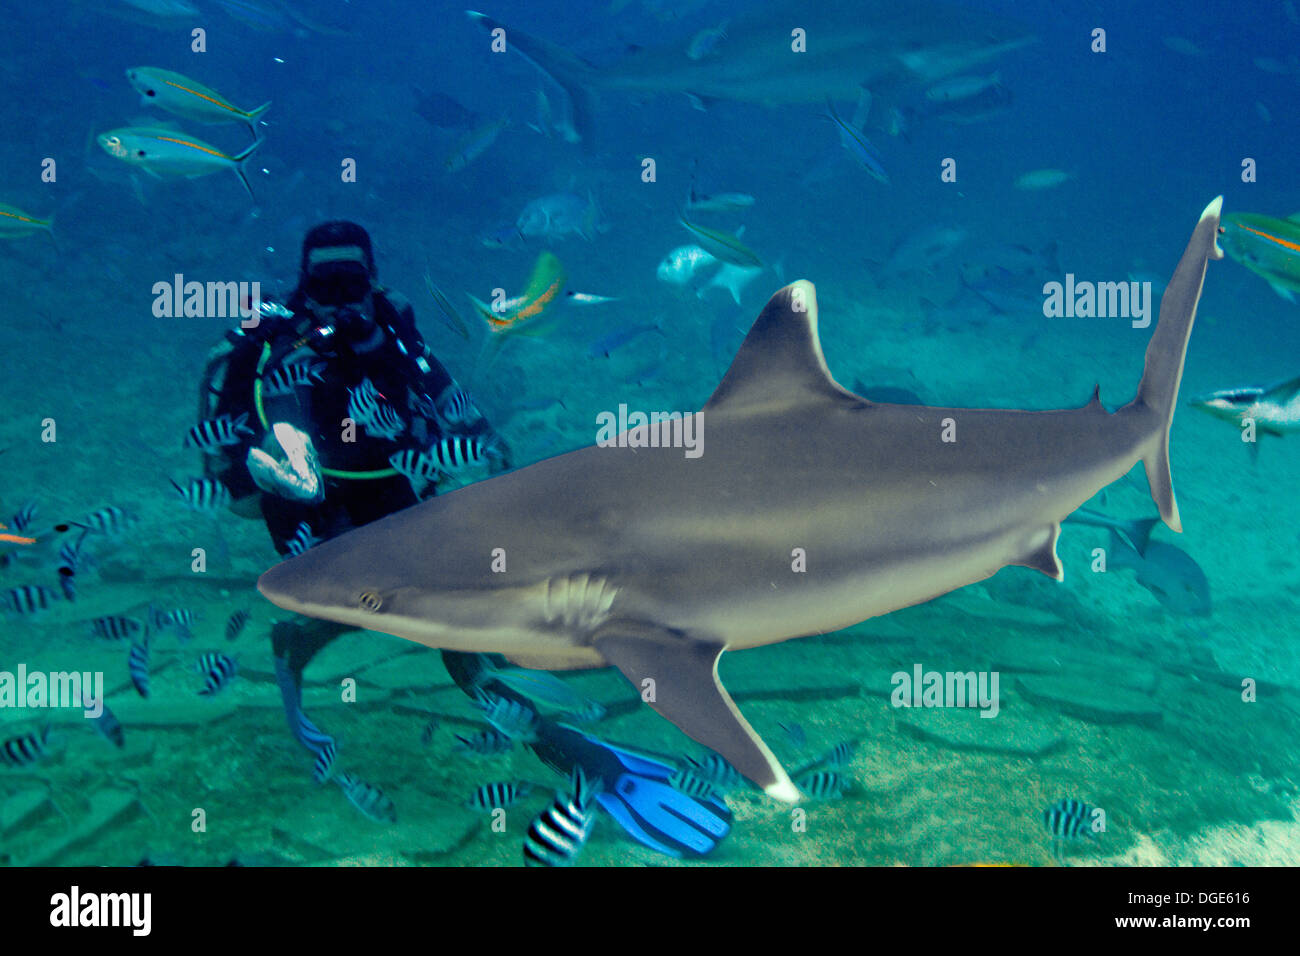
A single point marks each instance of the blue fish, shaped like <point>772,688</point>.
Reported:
<point>857,144</point>
<point>218,670</point>
<point>137,664</point>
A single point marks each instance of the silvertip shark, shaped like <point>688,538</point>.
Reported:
<point>655,563</point>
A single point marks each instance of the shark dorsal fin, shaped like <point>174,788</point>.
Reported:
<point>781,358</point>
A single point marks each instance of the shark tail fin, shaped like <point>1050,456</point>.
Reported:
<point>573,75</point>
<point>1158,391</point>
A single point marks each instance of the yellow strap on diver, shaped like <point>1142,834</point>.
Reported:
<point>261,417</point>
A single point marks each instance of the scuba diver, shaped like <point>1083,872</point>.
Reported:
<point>339,388</point>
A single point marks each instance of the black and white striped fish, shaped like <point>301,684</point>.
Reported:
<point>363,402</point>
<point>28,599</point>
<point>235,624</point>
<point>109,520</point>
<point>499,795</point>
<point>692,784</point>
<point>137,664</point>
<point>822,784</point>
<point>25,750</point>
<point>485,743</point>
<point>106,723</point>
<point>426,735</point>
<point>180,618</point>
<point>1069,819</point>
<point>204,495</point>
<point>23,517</point>
<point>839,756</point>
<point>510,717</point>
<point>455,407</point>
<point>302,539</point>
<point>68,583</point>
<point>367,798</point>
<point>115,627</point>
<point>286,378</point>
<point>319,743</point>
<point>559,833</point>
<point>214,433</point>
<point>717,771</point>
<point>218,670</point>
<point>386,424</point>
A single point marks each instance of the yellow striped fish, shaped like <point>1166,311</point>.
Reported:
<point>185,97</point>
<point>544,289</point>
<point>722,245</point>
<point>169,152</point>
<point>14,223</point>
<point>1267,246</point>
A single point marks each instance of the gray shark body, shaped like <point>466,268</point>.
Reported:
<point>879,45</point>
<point>810,509</point>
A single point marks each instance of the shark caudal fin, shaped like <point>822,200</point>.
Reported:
<point>569,73</point>
<point>1158,391</point>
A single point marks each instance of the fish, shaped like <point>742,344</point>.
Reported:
<point>1274,409</point>
<point>509,717</point>
<point>962,87</point>
<point>616,339</point>
<point>28,599</point>
<point>522,314</point>
<point>455,407</point>
<point>484,743</point>
<point>442,111</point>
<point>167,152</point>
<point>302,539</point>
<point>323,766</point>
<point>10,542</point>
<point>1136,532</point>
<point>181,618</point>
<point>858,146</point>
<point>137,665</point>
<point>185,97</point>
<point>447,312</point>
<point>1268,247</point>
<point>106,723</point>
<point>1263,112</point>
<point>1169,573</point>
<point>681,266</point>
<point>16,224</point>
<point>653,562</point>
<point>217,669</point>
<point>235,624</point>
<point>921,251</point>
<point>991,102</point>
<point>426,735</point>
<point>449,456</point>
<point>287,378</point>
<point>692,784</point>
<point>24,516</point>
<point>732,278</point>
<point>705,42</point>
<point>474,144</point>
<point>544,690</point>
<point>1273,65</point>
<point>559,215</point>
<point>109,521</point>
<point>718,202</point>
<point>502,236</point>
<point>588,298</point>
<point>25,749</point>
<point>1037,179</point>
<point>1181,45</point>
<point>716,770</point>
<point>722,245</point>
<point>68,583</point>
<point>116,627</point>
<point>367,798</point>
<point>204,495</point>
<point>839,756</point>
<point>498,796</point>
<point>213,434</point>
<point>555,122</point>
<point>560,832</point>
<point>822,784</point>
<point>874,44</point>
<point>1069,819</point>
<point>262,17</point>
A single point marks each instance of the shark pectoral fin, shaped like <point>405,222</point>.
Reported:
<point>1042,555</point>
<point>687,692</point>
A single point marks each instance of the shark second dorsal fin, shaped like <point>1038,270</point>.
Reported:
<point>781,358</point>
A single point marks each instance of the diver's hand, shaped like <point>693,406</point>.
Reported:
<point>293,471</point>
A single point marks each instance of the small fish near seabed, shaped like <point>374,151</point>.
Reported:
<point>588,586</point>
<point>1274,410</point>
<point>189,98</point>
<point>164,153</point>
<point>1069,819</point>
<point>1268,247</point>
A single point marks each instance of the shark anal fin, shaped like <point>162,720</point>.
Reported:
<point>1043,557</point>
<point>687,692</point>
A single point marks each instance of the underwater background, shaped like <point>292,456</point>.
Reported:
<point>1121,689</point>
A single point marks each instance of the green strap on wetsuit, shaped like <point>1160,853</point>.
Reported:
<point>261,417</point>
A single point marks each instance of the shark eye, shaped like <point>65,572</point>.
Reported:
<point>370,601</point>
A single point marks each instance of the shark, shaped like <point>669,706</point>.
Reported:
<point>788,53</point>
<point>806,510</point>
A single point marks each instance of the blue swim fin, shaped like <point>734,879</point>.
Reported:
<point>636,792</point>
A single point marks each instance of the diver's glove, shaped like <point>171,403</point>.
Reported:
<point>294,471</point>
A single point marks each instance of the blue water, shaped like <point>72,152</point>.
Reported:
<point>1147,133</point>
